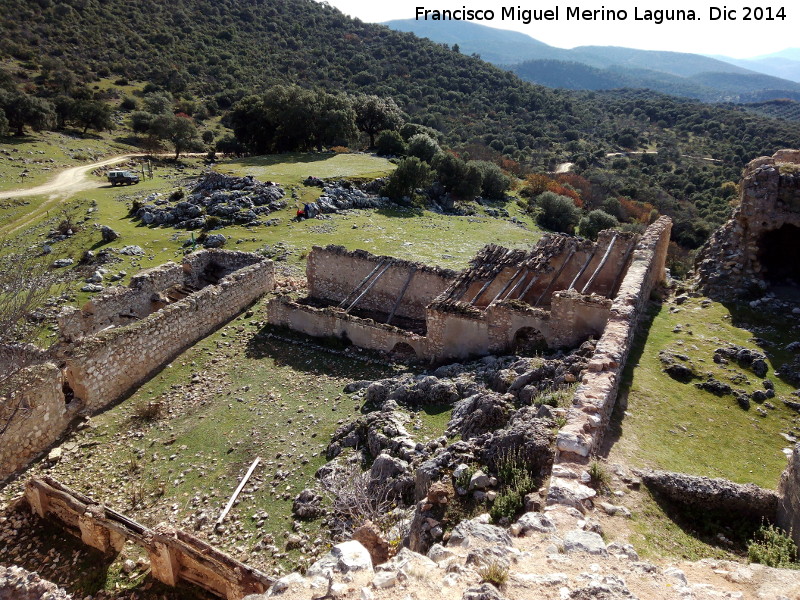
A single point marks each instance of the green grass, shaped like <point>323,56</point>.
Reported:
<point>37,149</point>
<point>677,427</point>
<point>257,397</point>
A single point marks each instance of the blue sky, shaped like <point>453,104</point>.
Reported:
<point>736,38</point>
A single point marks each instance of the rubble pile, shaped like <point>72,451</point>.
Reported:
<point>215,200</point>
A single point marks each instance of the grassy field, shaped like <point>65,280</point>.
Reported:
<point>670,425</point>
<point>44,154</point>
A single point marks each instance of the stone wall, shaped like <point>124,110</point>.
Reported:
<point>594,398</point>
<point>36,413</point>
<point>330,322</point>
<point>175,556</point>
<point>104,367</point>
<point>732,263</point>
<point>788,515</point>
<point>333,274</point>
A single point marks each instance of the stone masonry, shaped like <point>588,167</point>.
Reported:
<point>558,294</point>
<point>750,251</point>
<point>118,340</point>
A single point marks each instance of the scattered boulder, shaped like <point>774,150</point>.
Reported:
<point>108,235</point>
<point>307,505</point>
<point>372,539</point>
<point>584,541</point>
<point>475,532</point>
<point>215,240</point>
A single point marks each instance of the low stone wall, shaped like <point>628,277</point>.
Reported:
<point>33,416</point>
<point>788,516</point>
<point>594,399</point>
<point>706,494</point>
<point>104,367</point>
<point>175,556</point>
<point>329,322</point>
<point>334,272</point>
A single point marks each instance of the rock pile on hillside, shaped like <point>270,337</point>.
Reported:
<point>18,584</point>
<point>216,200</point>
<point>504,409</point>
<point>343,195</point>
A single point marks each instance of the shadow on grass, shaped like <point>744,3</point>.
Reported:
<point>316,356</point>
<point>72,565</point>
<point>275,159</point>
<point>615,425</point>
<point>400,211</point>
<point>770,335</point>
<point>723,531</point>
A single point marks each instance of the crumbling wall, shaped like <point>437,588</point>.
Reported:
<point>334,272</point>
<point>594,398</point>
<point>329,322</point>
<point>104,367</point>
<point>575,317</point>
<point>175,556</point>
<point>730,264</point>
<point>788,516</point>
<point>35,413</point>
<point>118,306</point>
<point>455,335</point>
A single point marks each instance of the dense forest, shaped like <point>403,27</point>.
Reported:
<point>211,56</point>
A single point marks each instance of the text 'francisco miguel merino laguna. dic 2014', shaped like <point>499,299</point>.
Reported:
<point>576,13</point>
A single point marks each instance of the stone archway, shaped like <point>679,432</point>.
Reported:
<point>404,351</point>
<point>779,254</point>
<point>528,340</point>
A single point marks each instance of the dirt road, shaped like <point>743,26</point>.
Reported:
<point>65,184</point>
<point>68,181</point>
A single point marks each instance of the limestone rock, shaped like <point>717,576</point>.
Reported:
<point>584,541</point>
<point>474,532</point>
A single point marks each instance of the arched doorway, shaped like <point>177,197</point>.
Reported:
<point>778,252</point>
<point>528,340</point>
<point>404,351</point>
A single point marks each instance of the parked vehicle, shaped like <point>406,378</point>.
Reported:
<point>122,178</point>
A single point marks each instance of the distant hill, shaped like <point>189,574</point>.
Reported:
<point>609,67</point>
<point>784,64</point>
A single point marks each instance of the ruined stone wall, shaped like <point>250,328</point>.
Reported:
<point>175,556</point>
<point>507,318</point>
<point>104,367</point>
<point>730,264</point>
<point>37,412</point>
<point>333,273</point>
<point>575,317</point>
<point>788,515</point>
<point>119,306</point>
<point>328,322</point>
<point>594,398</point>
<point>453,335</point>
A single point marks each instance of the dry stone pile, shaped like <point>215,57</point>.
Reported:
<point>229,200</point>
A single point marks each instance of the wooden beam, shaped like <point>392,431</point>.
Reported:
<point>361,283</point>
<point>368,288</point>
<point>228,506</point>
<point>601,265</point>
<point>558,274</point>
<point>402,293</point>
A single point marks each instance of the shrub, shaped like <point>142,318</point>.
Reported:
<point>494,183</point>
<point>340,149</point>
<point>389,143</point>
<point>494,573</point>
<point>212,222</point>
<point>423,146</point>
<point>176,195</point>
<point>148,411</point>
<point>128,104</point>
<point>556,212</point>
<point>411,173</point>
<point>506,505</point>
<point>462,481</point>
<point>595,222</point>
<point>772,547</point>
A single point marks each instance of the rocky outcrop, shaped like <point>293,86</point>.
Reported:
<point>18,584</point>
<point>788,515</point>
